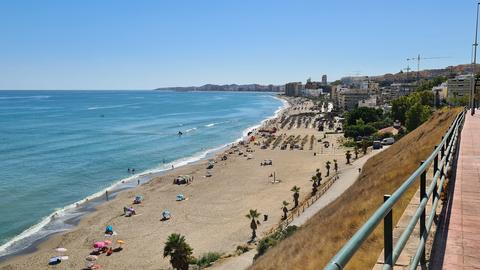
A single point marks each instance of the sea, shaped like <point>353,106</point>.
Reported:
<point>60,150</point>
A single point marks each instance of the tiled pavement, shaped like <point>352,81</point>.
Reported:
<point>462,248</point>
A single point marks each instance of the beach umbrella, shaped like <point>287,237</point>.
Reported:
<point>166,214</point>
<point>99,245</point>
<point>107,242</point>
<point>91,258</point>
<point>121,242</point>
<point>60,249</point>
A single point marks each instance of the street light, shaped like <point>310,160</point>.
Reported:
<point>474,81</point>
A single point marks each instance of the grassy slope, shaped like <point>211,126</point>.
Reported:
<point>326,232</point>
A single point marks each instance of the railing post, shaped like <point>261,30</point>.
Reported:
<point>388,236</point>
<point>443,149</point>
<point>423,194</point>
<point>435,170</point>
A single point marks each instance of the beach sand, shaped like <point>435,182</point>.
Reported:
<point>213,216</point>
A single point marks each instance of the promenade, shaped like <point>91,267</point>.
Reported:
<point>459,247</point>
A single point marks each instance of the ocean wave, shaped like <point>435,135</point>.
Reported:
<point>190,130</point>
<point>216,123</point>
<point>105,107</point>
<point>112,106</point>
<point>24,97</point>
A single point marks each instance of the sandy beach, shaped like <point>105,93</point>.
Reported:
<point>212,218</point>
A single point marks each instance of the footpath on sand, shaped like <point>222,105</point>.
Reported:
<point>348,176</point>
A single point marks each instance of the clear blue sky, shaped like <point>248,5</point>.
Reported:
<point>143,44</point>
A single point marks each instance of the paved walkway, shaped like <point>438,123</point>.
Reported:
<point>462,247</point>
<point>348,176</point>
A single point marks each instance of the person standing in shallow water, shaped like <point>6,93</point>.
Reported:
<point>106,195</point>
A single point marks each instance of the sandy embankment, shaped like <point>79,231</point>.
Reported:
<point>213,217</point>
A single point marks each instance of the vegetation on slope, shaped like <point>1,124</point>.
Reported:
<point>315,243</point>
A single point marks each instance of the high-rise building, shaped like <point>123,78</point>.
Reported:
<point>324,79</point>
<point>461,86</point>
<point>293,89</point>
<point>348,98</point>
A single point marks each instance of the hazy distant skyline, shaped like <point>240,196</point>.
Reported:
<point>120,44</point>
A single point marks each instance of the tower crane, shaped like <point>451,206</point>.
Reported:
<point>419,58</point>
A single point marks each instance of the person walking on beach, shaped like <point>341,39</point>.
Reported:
<point>106,194</point>
<point>138,182</point>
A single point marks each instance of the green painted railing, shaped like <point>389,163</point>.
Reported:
<point>445,151</point>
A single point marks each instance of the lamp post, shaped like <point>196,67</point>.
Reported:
<point>474,79</point>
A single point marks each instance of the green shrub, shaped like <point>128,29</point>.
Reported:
<point>349,143</point>
<point>270,241</point>
<point>359,130</point>
<point>207,259</point>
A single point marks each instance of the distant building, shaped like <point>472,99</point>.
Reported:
<point>392,130</point>
<point>348,99</point>
<point>334,93</point>
<point>324,79</point>
<point>353,81</point>
<point>370,102</point>
<point>402,89</point>
<point>460,86</point>
<point>313,92</point>
<point>293,89</point>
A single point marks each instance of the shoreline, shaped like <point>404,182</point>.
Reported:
<point>71,215</point>
<point>212,217</point>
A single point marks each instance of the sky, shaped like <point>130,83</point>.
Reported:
<point>144,44</point>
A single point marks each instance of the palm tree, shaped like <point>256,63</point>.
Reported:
<point>179,251</point>
<point>348,156</point>
<point>253,215</point>
<point>327,166</point>
<point>335,165</point>
<point>296,195</point>
<point>364,146</point>
<point>314,187</point>
<point>318,174</point>
<point>318,178</point>
<point>285,209</point>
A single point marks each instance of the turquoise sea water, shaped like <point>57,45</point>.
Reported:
<point>58,147</point>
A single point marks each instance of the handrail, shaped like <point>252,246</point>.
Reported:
<point>307,202</point>
<point>446,150</point>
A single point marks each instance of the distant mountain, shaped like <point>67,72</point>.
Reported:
<point>227,87</point>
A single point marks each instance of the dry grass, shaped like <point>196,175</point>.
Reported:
<point>312,246</point>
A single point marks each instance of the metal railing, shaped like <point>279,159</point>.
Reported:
<point>304,205</point>
<point>445,151</point>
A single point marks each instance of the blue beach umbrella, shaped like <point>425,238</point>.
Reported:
<point>180,197</point>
